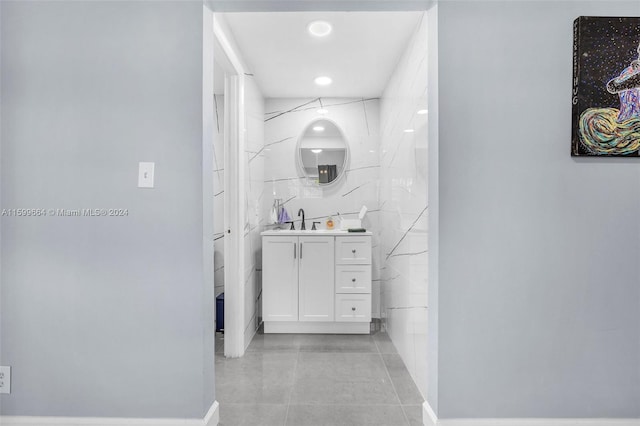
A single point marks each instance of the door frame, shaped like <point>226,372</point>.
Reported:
<point>234,205</point>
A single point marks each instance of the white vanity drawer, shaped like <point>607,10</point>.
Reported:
<point>353,307</point>
<point>353,278</point>
<point>353,250</point>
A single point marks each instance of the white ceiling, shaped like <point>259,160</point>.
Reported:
<point>359,55</point>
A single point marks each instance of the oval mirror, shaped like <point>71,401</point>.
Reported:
<point>322,152</point>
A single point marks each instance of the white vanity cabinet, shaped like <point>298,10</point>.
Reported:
<point>316,282</point>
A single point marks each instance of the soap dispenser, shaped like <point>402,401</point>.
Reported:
<point>330,223</point>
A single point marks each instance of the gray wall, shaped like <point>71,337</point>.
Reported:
<point>539,295</point>
<point>104,316</point>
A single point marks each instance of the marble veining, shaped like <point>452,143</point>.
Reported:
<point>254,194</point>
<point>387,172</point>
<point>403,187</point>
<point>358,119</point>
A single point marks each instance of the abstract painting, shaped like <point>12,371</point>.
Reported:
<point>606,87</point>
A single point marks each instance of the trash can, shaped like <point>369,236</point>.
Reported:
<point>220,312</point>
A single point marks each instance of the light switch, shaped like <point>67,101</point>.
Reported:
<point>145,175</point>
<point>5,379</point>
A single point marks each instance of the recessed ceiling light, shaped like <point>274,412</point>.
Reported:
<point>322,111</point>
<point>323,81</point>
<point>423,111</point>
<point>316,151</point>
<point>318,129</point>
<point>319,28</point>
<point>408,130</point>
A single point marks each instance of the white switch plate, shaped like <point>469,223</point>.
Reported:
<point>5,379</point>
<point>145,175</point>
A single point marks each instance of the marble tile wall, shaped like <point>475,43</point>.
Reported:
<point>254,191</point>
<point>403,207</point>
<point>218,191</point>
<point>284,122</point>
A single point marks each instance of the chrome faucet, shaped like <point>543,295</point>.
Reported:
<point>301,211</point>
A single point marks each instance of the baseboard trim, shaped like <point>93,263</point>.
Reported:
<point>210,419</point>
<point>328,327</point>
<point>429,418</point>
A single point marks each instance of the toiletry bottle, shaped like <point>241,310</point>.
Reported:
<point>330,223</point>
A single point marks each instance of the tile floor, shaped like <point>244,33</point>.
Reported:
<point>317,380</point>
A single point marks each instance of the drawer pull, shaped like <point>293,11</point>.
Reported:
<point>353,280</point>
<point>353,251</point>
<point>353,308</point>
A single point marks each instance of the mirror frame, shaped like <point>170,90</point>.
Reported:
<point>300,165</point>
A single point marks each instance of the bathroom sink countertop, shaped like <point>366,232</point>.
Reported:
<point>310,232</point>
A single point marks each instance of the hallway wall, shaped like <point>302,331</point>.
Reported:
<point>285,120</point>
<point>539,301</point>
<point>95,308</point>
<point>403,206</point>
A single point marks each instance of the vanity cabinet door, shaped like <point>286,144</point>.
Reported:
<point>316,281</point>
<point>280,278</point>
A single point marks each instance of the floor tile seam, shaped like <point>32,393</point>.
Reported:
<point>375,342</point>
<point>405,414</point>
<point>293,385</point>
<point>338,352</point>
<point>394,389</point>
<point>377,383</point>
<point>253,403</point>
<point>323,404</point>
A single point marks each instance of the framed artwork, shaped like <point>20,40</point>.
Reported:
<point>606,87</point>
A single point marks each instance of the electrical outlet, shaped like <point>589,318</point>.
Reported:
<point>5,379</point>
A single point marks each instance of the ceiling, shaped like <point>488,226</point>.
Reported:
<point>359,55</point>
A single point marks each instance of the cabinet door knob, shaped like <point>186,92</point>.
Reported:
<point>353,308</point>
<point>353,251</point>
<point>353,280</point>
